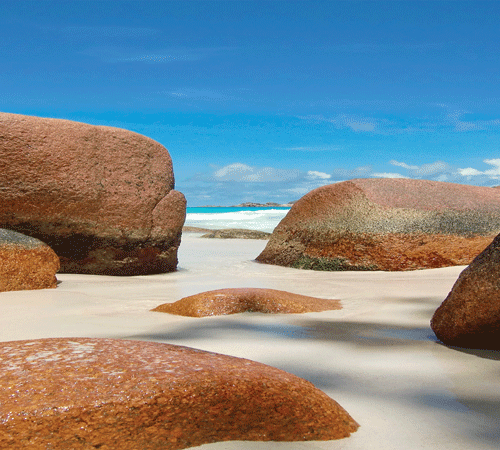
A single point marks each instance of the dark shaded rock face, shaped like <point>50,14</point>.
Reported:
<point>26,263</point>
<point>232,301</point>
<point>470,314</point>
<point>386,224</point>
<point>132,395</point>
<point>102,198</point>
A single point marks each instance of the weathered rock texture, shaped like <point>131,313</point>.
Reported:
<point>237,233</point>
<point>26,263</point>
<point>232,301</point>
<point>114,394</point>
<point>386,224</point>
<point>102,198</point>
<point>470,314</point>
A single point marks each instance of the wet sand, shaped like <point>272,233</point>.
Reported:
<point>377,356</point>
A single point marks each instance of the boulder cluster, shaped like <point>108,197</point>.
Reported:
<point>102,198</point>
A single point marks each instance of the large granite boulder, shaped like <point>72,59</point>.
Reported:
<point>470,314</point>
<point>26,263</point>
<point>102,198</point>
<point>386,224</point>
<point>115,394</point>
<point>238,300</point>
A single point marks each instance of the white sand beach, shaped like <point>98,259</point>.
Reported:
<point>377,356</point>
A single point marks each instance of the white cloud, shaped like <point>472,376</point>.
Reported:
<point>244,173</point>
<point>427,170</point>
<point>312,174</point>
<point>469,172</point>
<point>493,172</point>
<point>388,175</point>
<point>402,164</point>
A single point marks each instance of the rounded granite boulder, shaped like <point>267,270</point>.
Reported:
<point>385,224</point>
<point>102,198</point>
<point>26,263</point>
<point>470,315</point>
<point>78,393</point>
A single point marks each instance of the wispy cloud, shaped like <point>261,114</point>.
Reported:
<point>92,33</point>
<point>126,54</point>
<point>326,148</point>
<point>402,164</point>
<point>355,123</point>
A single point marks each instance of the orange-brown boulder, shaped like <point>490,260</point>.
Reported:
<point>102,198</point>
<point>26,263</point>
<point>237,300</point>
<point>470,314</point>
<point>131,395</point>
<point>386,224</point>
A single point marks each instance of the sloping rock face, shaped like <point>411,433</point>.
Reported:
<point>233,301</point>
<point>26,263</point>
<point>102,198</point>
<point>132,395</point>
<point>386,224</point>
<point>470,314</point>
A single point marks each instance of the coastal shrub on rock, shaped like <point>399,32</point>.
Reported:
<point>102,198</point>
<point>26,263</point>
<point>385,224</point>
<point>470,314</point>
<point>78,393</point>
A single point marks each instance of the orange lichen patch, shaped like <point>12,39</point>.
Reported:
<point>232,301</point>
<point>22,269</point>
<point>401,251</point>
<point>77,393</point>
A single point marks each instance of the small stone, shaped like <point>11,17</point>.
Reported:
<point>232,301</point>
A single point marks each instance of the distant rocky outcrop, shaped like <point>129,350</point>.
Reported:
<point>262,205</point>
<point>102,198</point>
<point>26,263</point>
<point>470,314</point>
<point>237,233</point>
<point>238,300</point>
<point>77,393</point>
<point>386,224</point>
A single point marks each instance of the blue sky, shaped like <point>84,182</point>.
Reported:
<point>266,100</point>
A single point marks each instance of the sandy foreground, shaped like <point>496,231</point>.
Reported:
<point>377,356</point>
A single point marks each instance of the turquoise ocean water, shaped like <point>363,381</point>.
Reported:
<point>253,218</point>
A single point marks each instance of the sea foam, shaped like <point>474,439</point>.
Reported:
<point>259,219</point>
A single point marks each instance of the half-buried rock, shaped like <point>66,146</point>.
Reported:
<point>386,224</point>
<point>26,263</point>
<point>470,315</point>
<point>115,394</point>
<point>238,300</point>
<point>102,198</point>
